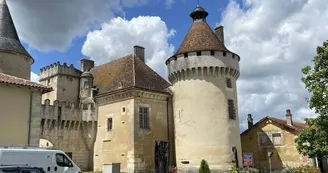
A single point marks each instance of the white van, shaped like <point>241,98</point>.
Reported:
<point>52,161</point>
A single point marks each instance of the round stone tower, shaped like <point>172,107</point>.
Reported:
<point>14,59</point>
<point>203,73</point>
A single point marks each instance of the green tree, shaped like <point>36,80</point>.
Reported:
<point>313,141</point>
<point>204,168</point>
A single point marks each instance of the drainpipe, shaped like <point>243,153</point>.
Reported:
<point>30,119</point>
<point>168,128</point>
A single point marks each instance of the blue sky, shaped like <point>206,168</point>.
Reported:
<point>275,39</point>
<point>176,17</point>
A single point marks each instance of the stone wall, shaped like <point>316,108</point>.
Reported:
<point>64,126</point>
<point>15,65</point>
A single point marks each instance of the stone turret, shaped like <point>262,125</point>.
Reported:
<point>64,79</point>
<point>14,59</point>
<point>203,73</point>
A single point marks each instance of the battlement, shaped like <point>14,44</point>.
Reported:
<point>209,59</point>
<point>62,110</point>
<point>58,69</point>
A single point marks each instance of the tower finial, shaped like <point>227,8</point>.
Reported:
<point>199,13</point>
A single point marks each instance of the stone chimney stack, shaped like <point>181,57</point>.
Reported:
<point>87,64</point>
<point>250,121</point>
<point>140,52</point>
<point>219,33</point>
<point>289,117</point>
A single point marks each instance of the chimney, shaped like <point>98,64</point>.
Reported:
<point>87,64</point>
<point>289,117</point>
<point>250,121</point>
<point>219,33</point>
<point>140,52</point>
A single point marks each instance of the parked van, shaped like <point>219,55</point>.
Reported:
<point>51,160</point>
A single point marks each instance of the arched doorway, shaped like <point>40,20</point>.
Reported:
<point>45,143</point>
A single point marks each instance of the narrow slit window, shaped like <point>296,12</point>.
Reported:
<point>109,124</point>
<point>212,53</point>
<point>231,109</point>
<point>228,82</point>
<point>224,53</point>
<point>199,53</point>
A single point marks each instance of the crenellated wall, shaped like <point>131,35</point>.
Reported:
<point>71,128</point>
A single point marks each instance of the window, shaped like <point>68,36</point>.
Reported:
<point>264,139</point>
<point>199,53</point>
<point>228,82</point>
<point>224,53</point>
<point>109,124</point>
<point>123,109</point>
<point>212,53</point>
<point>276,139</point>
<point>48,81</point>
<point>185,55</point>
<point>231,109</point>
<point>86,84</point>
<point>144,117</point>
<point>62,160</point>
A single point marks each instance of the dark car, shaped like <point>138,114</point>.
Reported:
<point>17,169</point>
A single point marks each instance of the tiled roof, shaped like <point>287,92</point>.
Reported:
<point>8,79</point>
<point>9,40</point>
<point>129,71</point>
<point>298,126</point>
<point>200,37</point>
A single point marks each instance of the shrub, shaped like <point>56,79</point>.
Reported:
<point>248,170</point>
<point>204,168</point>
<point>306,169</point>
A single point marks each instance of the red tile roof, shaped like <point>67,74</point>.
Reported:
<point>298,126</point>
<point>8,79</point>
<point>127,72</point>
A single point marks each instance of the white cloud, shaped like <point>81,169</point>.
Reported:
<point>118,36</point>
<point>275,39</point>
<point>35,77</point>
<point>52,25</point>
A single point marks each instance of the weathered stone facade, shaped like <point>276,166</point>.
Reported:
<point>63,125</point>
<point>276,136</point>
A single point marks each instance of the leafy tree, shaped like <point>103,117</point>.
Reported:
<point>204,168</point>
<point>313,141</point>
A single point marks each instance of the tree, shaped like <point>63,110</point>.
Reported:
<point>204,168</point>
<point>313,141</point>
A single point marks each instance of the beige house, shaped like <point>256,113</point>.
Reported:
<point>276,136</point>
<point>20,102</point>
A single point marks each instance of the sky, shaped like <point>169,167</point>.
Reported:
<point>274,39</point>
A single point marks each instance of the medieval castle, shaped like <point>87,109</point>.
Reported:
<point>124,112</point>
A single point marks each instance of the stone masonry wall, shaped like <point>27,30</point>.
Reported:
<point>62,125</point>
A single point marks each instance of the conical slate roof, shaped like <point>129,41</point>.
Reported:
<point>200,36</point>
<point>9,40</point>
